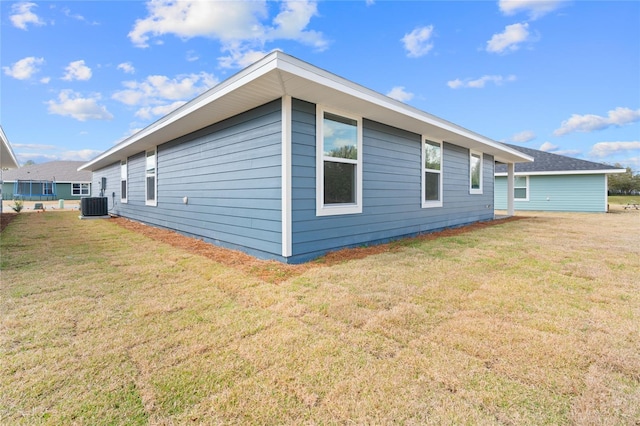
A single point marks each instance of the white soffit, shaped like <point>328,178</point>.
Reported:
<point>278,74</point>
<point>8,159</point>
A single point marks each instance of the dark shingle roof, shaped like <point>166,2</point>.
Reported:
<point>60,171</point>
<point>549,162</point>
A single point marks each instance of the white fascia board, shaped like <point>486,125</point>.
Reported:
<point>566,172</point>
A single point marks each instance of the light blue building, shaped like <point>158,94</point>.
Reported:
<point>287,161</point>
<point>555,182</point>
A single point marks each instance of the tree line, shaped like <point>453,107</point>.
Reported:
<point>624,183</point>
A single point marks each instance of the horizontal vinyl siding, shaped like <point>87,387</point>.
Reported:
<point>391,190</point>
<point>567,193</point>
<point>230,173</point>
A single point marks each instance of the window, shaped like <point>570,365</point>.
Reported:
<point>80,189</point>
<point>151,181</point>
<point>521,188</point>
<point>339,164</point>
<point>47,188</point>
<point>431,173</point>
<point>123,181</point>
<point>475,173</point>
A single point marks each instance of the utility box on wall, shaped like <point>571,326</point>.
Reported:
<point>94,206</point>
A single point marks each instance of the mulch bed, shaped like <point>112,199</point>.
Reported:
<point>274,271</point>
<point>271,270</point>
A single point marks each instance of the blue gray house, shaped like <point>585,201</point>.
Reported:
<point>555,182</point>
<point>287,161</point>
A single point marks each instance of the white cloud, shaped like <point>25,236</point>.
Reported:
<point>605,149</point>
<point>22,15</point>
<point>72,104</point>
<point>149,112</point>
<point>548,147</point>
<point>480,83</point>
<point>127,68</point>
<point>239,56</point>
<point>291,22</point>
<point>535,8</point>
<point>240,26</point>
<point>398,93</point>
<point>418,42</point>
<point>192,56</point>
<point>523,137</point>
<point>33,146</point>
<point>25,68</point>
<point>159,94</point>
<point>590,122</point>
<point>510,39</point>
<point>77,70</point>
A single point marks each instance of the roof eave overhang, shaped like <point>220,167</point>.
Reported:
<point>566,172</point>
<point>278,75</point>
<point>7,156</point>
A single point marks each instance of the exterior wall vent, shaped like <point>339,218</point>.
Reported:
<point>94,206</point>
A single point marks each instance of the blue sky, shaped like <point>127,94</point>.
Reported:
<point>77,77</point>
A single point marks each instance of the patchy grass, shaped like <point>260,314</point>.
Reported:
<point>623,199</point>
<point>534,321</point>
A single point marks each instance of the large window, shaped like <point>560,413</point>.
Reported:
<point>431,173</point>
<point>80,189</point>
<point>151,178</point>
<point>521,188</point>
<point>475,172</point>
<point>339,166</point>
<point>123,181</point>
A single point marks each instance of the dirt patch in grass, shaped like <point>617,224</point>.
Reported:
<point>274,271</point>
<point>5,219</point>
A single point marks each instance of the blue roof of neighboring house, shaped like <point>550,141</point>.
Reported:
<point>547,162</point>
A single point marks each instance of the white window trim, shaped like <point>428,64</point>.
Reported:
<point>336,209</point>
<point>516,187</point>
<point>124,165</point>
<point>476,190</point>
<point>153,202</point>
<point>88,193</point>
<point>431,203</point>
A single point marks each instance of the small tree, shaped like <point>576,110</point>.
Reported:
<point>17,206</point>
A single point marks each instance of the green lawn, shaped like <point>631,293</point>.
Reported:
<point>623,199</point>
<point>533,321</point>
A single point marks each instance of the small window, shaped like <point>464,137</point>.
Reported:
<point>123,181</point>
<point>339,166</point>
<point>80,189</point>
<point>150,177</point>
<point>475,173</point>
<point>431,173</point>
<point>521,188</point>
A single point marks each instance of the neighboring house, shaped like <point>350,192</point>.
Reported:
<point>47,181</point>
<point>8,160</point>
<point>287,161</point>
<point>555,182</point>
